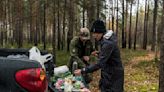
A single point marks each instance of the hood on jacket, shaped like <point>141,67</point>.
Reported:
<point>108,34</point>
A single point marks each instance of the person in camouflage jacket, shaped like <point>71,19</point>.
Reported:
<point>80,50</point>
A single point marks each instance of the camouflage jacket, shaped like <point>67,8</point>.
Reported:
<point>78,49</point>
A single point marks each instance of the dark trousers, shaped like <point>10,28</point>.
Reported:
<point>115,84</point>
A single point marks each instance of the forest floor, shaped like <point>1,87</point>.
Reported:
<point>141,71</point>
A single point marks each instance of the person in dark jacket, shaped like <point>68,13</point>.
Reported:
<point>109,60</point>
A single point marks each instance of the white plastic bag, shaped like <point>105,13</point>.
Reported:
<point>61,69</point>
<point>36,55</point>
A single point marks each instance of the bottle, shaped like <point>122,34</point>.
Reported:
<point>68,85</point>
<point>74,66</point>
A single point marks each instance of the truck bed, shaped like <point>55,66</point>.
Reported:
<point>9,66</point>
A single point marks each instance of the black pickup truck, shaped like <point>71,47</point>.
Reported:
<point>23,75</point>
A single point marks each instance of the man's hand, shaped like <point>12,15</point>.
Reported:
<point>77,72</point>
<point>86,58</point>
<point>95,53</point>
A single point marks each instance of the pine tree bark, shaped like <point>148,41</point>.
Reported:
<point>136,27</point>
<point>71,23</point>
<point>145,27</point>
<point>91,13</point>
<point>98,9</point>
<point>154,25</point>
<point>113,13</point>
<point>54,32</point>
<point>19,23</point>
<point>117,21</point>
<point>83,13</point>
<point>161,64</point>
<point>59,31</point>
<point>123,34</point>
<point>31,22</point>
<point>130,28</point>
<point>35,21</point>
<point>44,26</point>
<point>126,25</point>
<point>64,24</point>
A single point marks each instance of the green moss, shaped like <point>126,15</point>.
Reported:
<point>62,57</point>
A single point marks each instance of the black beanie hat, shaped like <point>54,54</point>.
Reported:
<point>98,27</point>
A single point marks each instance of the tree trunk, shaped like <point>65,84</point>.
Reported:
<point>1,17</point>
<point>126,24</point>
<point>145,28</point>
<point>5,23</point>
<point>123,34</point>
<point>31,22</point>
<point>109,22</point>
<point>35,33</point>
<point>113,13</point>
<point>19,23</point>
<point>71,23</point>
<point>117,21</point>
<point>2,35</point>
<point>35,21</point>
<point>161,64</point>
<point>91,13</point>
<point>83,13</point>
<point>130,24</point>
<point>12,24</point>
<point>147,24</point>
<point>98,9</point>
<point>40,24</point>
<point>2,26</point>
<point>9,22</point>
<point>59,31</point>
<point>154,25</point>
<point>54,31</point>
<point>44,26</point>
<point>136,28</point>
<point>64,24</point>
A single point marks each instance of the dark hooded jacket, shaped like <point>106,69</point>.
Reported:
<point>112,71</point>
